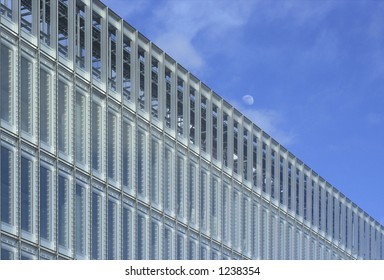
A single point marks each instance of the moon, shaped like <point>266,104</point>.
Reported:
<point>248,99</point>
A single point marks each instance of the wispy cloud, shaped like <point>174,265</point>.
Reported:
<point>182,25</point>
<point>270,121</point>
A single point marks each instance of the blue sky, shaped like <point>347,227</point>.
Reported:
<point>314,70</point>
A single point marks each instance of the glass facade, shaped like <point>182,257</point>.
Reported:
<point>111,150</point>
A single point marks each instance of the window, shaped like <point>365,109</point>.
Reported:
<point>112,232</point>
<point>46,117</point>
<point>203,200</point>
<point>141,163</point>
<point>289,186</point>
<point>45,22</point>
<point>192,250</point>
<point>245,154</point>
<point>192,193</point>
<point>63,27</point>
<point>127,232</point>
<point>203,123</point>
<point>6,8</point>
<point>297,191</point>
<point>63,128</point>
<point>126,68</point>
<point>46,211</point>
<point>126,148</point>
<point>235,146</point>
<point>63,198</point>
<point>168,163</point>
<point>245,225</point>
<point>168,98</point>
<point>141,237</point>
<point>81,125</point>
<point>7,193</point>
<point>273,157</point>
<point>281,180</point>
<point>27,195</point>
<point>180,186</point>
<point>112,146</point>
<point>97,226</point>
<point>192,112</point>
<point>97,126</point>
<point>155,240</point>
<point>225,139</point>
<point>214,131</point>
<point>264,167</point>
<point>141,59</point>
<point>180,107</point>
<point>155,88</point>
<point>305,196</point>
<point>254,160</point>
<point>168,241</point>
<point>81,220</point>
<point>80,35</point>
<point>225,214</point>
<point>27,96</point>
<point>235,226</point>
<point>112,56</point>
<point>96,46</point>
<point>155,172</point>
<point>180,247</point>
<point>214,207</point>
<point>6,85</point>
<point>26,15</point>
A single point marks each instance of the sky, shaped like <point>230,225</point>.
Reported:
<point>308,72</point>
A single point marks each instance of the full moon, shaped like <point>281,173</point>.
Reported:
<point>248,99</point>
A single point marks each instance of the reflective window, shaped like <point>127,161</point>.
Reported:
<point>81,125</point>
<point>192,193</point>
<point>26,185</point>
<point>141,237</point>
<point>168,98</point>
<point>97,226</point>
<point>63,214</point>
<point>155,240</point>
<point>7,193</point>
<point>126,68</point>
<point>63,117</point>
<point>180,186</point>
<point>141,163</point>
<point>112,57</point>
<point>26,15</point>
<point>141,69</point>
<point>80,214</point>
<point>168,163</point>
<point>45,22</point>
<point>46,117</point>
<point>27,97</point>
<point>6,8</point>
<point>203,123</point>
<point>126,155</point>
<point>80,34</point>
<point>155,88</point>
<point>6,88</point>
<point>127,233</point>
<point>155,172</point>
<point>180,107</point>
<point>192,115</point>
<point>112,146</point>
<point>45,203</point>
<point>112,229</point>
<point>96,46</point>
<point>63,26</point>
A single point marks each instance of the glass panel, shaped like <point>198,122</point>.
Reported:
<point>6,8</point>
<point>225,139</point>
<point>112,146</point>
<point>235,146</point>
<point>192,193</point>
<point>7,186</point>
<point>225,215</point>
<point>96,46</point>
<point>45,107</point>
<point>167,251</point>
<point>112,55</point>
<point>180,107</point>
<point>6,254</point>
<point>96,136</point>
<point>45,21</point>
<point>112,230</point>
<point>168,180</point>
<point>127,233</point>
<point>80,128</point>
<point>26,15</point>
<point>96,236</point>
<point>180,186</point>
<point>26,89</point>
<point>141,166</point>
<point>180,247</point>
<point>80,34</point>
<point>192,122</point>
<point>63,117</point>
<point>126,145</point>
<point>214,131</point>
<point>203,201</point>
<point>6,78</point>
<point>26,194</point>
<point>45,203</point>
<point>168,94</point>
<point>154,241</point>
<point>155,88</point>
<point>63,27</point>
<point>155,172</point>
<point>203,124</point>
<point>63,211</point>
<point>141,58</point>
<point>141,237</point>
<point>80,220</point>
<point>126,68</point>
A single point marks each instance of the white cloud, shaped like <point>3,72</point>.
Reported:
<point>248,99</point>
<point>270,121</point>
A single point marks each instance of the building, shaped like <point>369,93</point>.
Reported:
<point>112,150</point>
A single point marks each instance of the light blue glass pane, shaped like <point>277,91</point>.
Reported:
<point>26,195</point>
<point>6,188</point>
<point>63,211</point>
<point>112,230</point>
<point>80,220</point>
<point>44,203</point>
